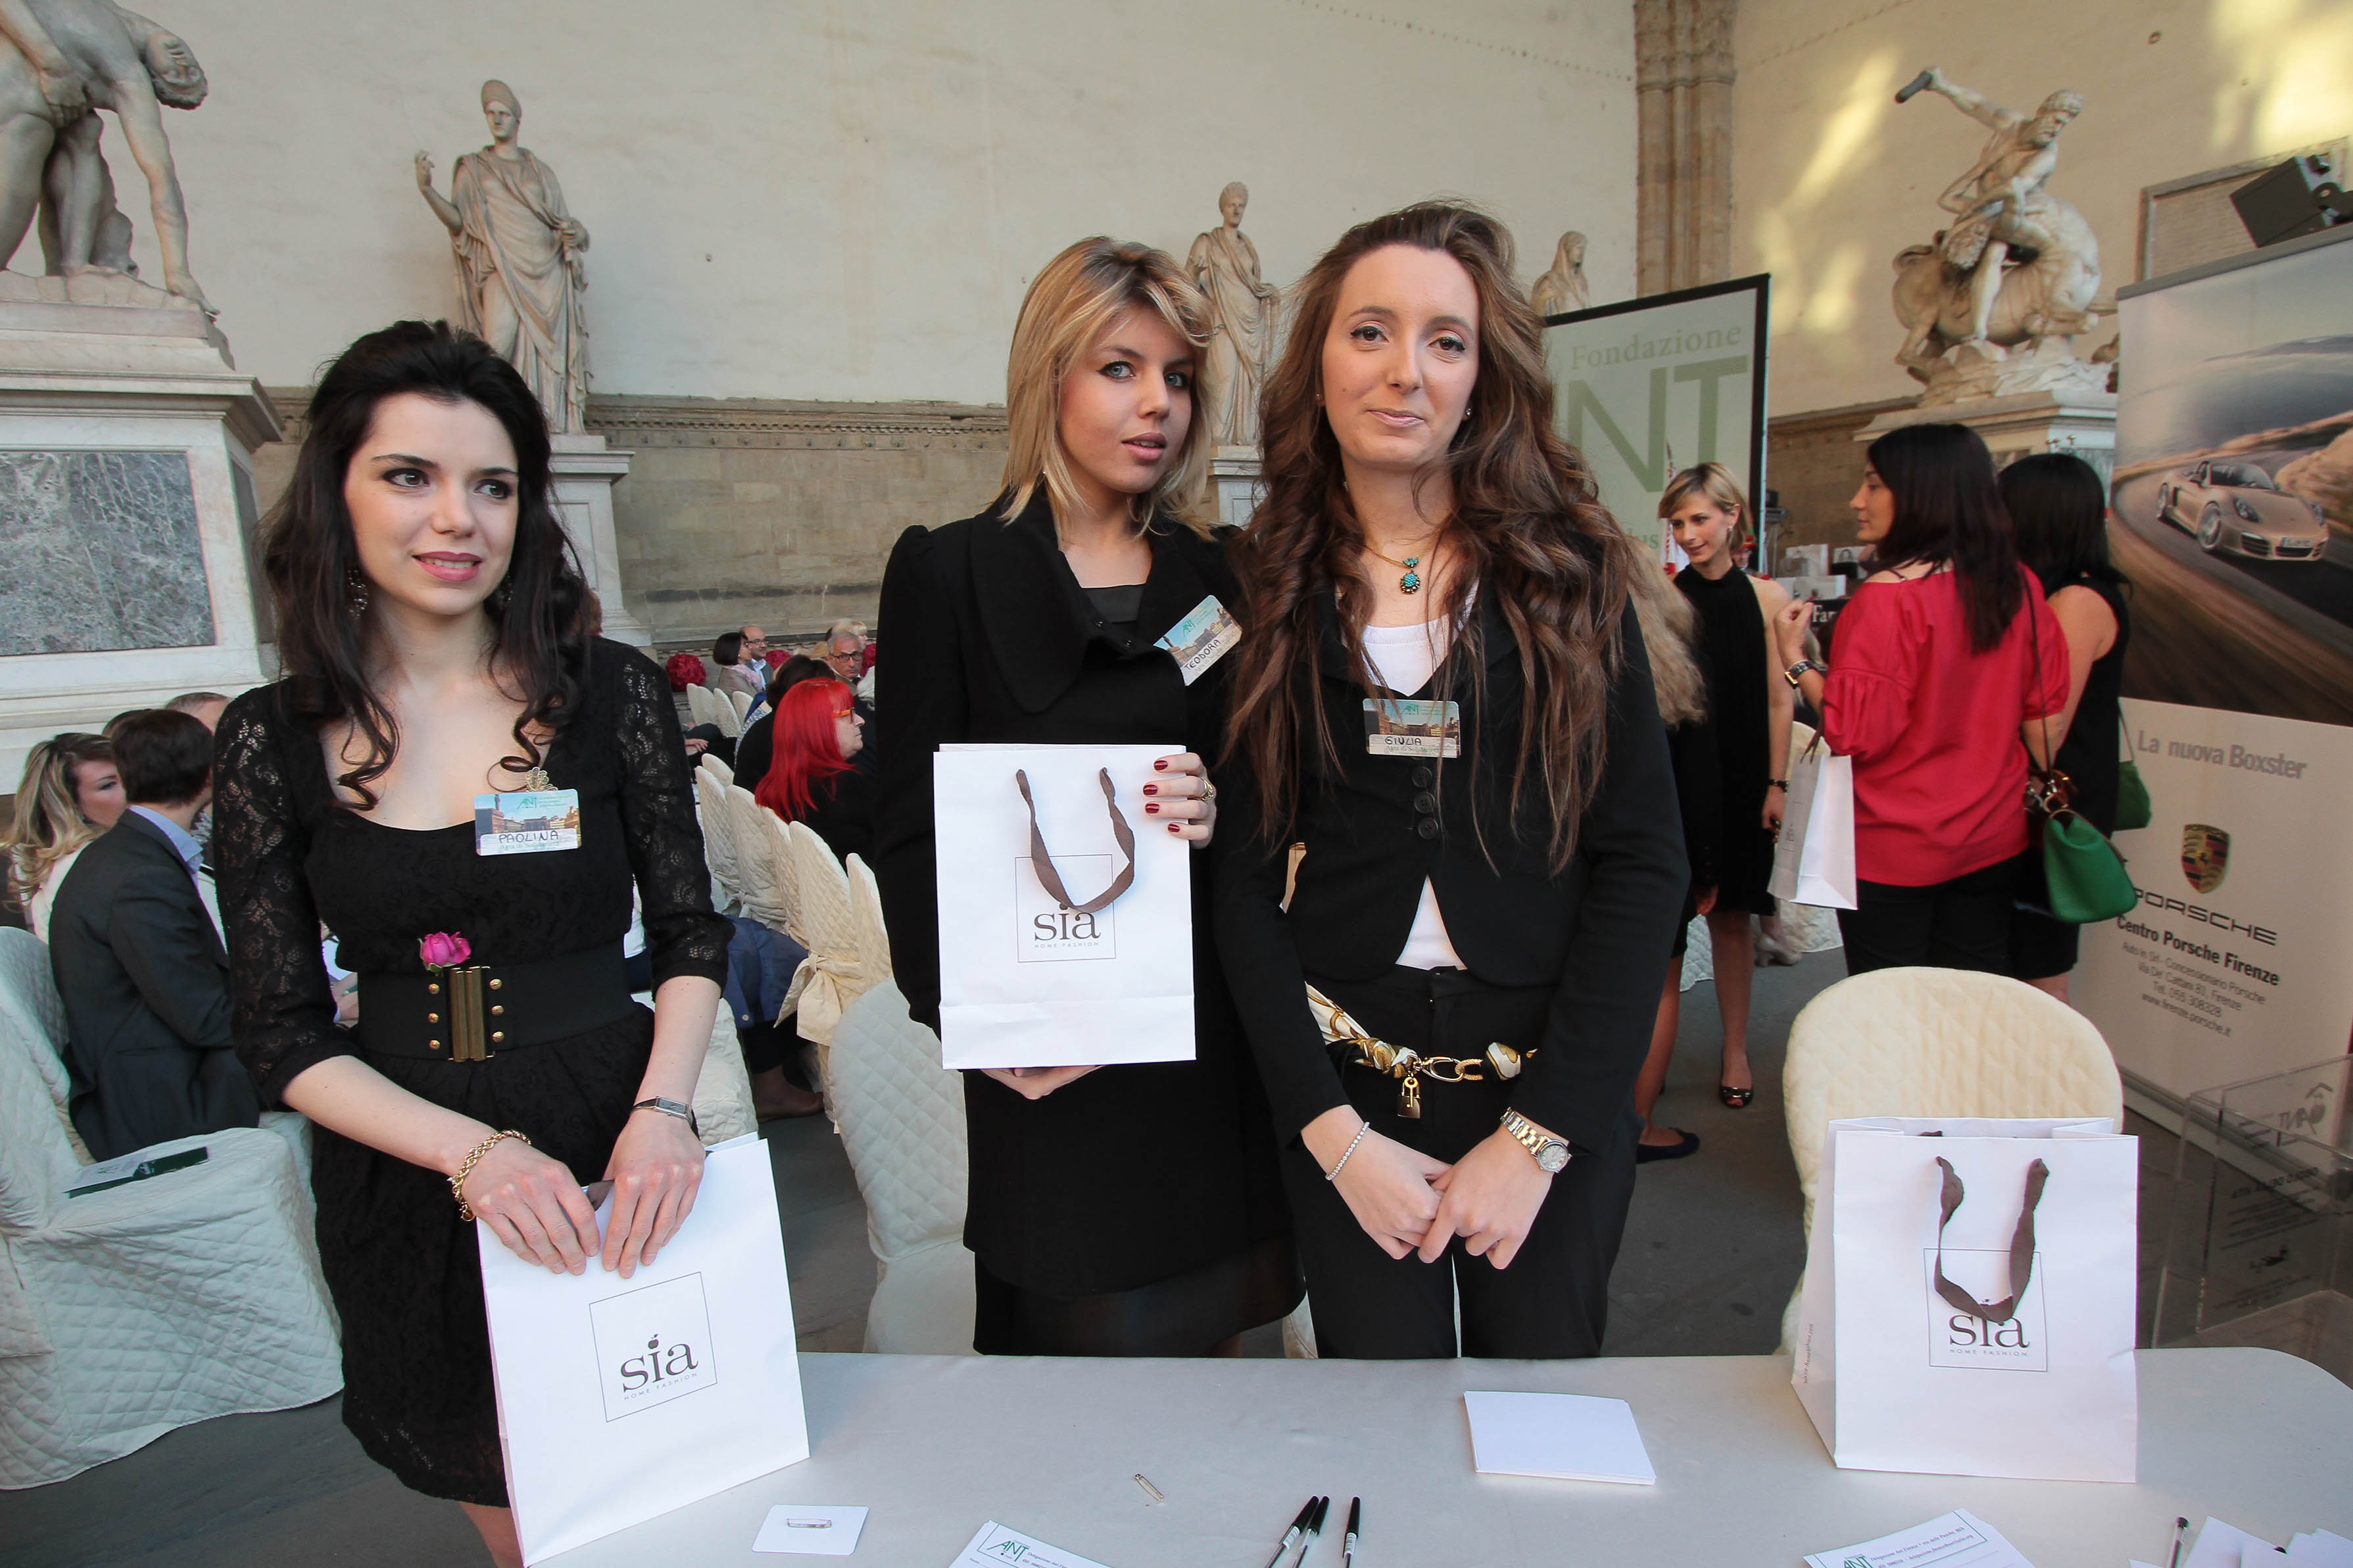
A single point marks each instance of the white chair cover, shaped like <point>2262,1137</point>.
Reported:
<point>1936,1042</point>
<point>722,713</point>
<point>742,702</point>
<point>712,764</point>
<point>873,938</point>
<point>127,1313</point>
<point>831,977</point>
<point>764,863</point>
<point>698,703</point>
<point>718,831</point>
<point>901,1120</point>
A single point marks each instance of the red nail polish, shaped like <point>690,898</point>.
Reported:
<point>1152,789</point>
<point>1161,763</point>
<point>1151,807</point>
<point>1173,828</point>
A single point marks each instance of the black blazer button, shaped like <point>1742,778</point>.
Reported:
<point>1426,804</point>
<point>1427,827</point>
<point>1423,778</point>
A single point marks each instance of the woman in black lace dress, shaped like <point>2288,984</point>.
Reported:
<point>428,615</point>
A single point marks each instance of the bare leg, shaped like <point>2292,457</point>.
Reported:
<point>24,143</point>
<point>1984,284</point>
<point>1653,1079</point>
<point>74,179</point>
<point>1735,943</point>
<point>497,1525</point>
<point>2056,984</point>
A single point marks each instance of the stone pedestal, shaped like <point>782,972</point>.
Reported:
<point>130,536</point>
<point>1234,481</point>
<point>2080,421</point>
<point>586,470</point>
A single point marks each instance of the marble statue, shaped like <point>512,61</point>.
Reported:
<point>1562,290</point>
<point>1242,310</point>
<point>520,273</point>
<point>60,62</point>
<point>1991,306</point>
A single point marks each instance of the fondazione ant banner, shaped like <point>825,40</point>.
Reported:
<point>1648,386</point>
<point>2232,514</point>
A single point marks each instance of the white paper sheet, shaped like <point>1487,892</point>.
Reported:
<point>2323,1548</point>
<point>811,1530</point>
<point>2219,1545</point>
<point>993,1546</point>
<point>1956,1540</point>
<point>1560,1436</point>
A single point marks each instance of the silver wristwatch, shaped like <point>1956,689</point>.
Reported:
<point>672,1107</point>
<point>1550,1154</point>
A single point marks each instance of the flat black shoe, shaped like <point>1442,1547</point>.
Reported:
<point>1736,1099</point>
<point>1646,1152</point>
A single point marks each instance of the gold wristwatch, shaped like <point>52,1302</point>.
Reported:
<point>1550,1154</point>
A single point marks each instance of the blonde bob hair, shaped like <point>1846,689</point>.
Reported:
<point>1070,304</point>
<point>1715,482</point>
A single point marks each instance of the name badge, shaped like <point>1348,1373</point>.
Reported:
<point>1201,638</point>
<point>1410,727</point>
<point>527,821</point>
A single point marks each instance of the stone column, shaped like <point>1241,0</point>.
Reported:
<point>586,470</point>
<point>1683,185</point>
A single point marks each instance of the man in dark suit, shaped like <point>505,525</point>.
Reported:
<point>138,962</point>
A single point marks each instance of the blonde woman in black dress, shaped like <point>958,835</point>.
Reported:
<point>427,616</point>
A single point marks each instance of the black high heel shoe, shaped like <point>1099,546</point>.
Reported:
<point>1734,1099</point>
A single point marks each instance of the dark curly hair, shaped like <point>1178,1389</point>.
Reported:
<point>310,556</point>
<point>1530,531</point>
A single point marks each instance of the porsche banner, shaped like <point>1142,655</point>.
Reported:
<point>2232,516</point>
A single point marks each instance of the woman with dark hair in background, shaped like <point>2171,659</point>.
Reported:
<point>756,745</point>
<point>427,613</point>
<point>2059,514</point>
<point>1932,678</point>
<point>69,796</point>
<point>1442,692</point>
<point>810,780</point>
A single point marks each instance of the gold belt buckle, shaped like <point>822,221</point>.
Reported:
<point>470,1033</point>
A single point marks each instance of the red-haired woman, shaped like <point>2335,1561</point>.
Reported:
<point>809,778</point>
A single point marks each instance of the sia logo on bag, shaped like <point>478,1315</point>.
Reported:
<point>1958,1339</point>
<point>1045,932</point>
<point>653,1346</point>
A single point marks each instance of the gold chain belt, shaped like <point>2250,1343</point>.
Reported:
<point>1408,1067</point>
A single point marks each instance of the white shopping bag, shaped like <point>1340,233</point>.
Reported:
<point>1813,856</point>
<point>1081,955</point>
<point>1973,1317</point>
<point>622,1399</point>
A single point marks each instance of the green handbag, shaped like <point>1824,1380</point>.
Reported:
<point>2132,791</point>
<point>2085,878</point>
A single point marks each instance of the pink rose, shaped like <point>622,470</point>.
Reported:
<point>444,950</point>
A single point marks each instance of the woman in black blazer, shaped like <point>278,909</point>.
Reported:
<point>1442,694</point>
<point>1129,1210</point>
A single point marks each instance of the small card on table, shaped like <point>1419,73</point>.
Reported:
<point>994,1546</point>
<point>1560,1436</point>
<point>1956,1540</point>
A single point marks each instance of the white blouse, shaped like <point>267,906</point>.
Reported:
<point>1403,658</point>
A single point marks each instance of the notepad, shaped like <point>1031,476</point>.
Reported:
<point>1560,1436</point>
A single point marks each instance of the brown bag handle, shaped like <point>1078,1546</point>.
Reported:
<point>2022,1247</point>
<point>1042,861</point>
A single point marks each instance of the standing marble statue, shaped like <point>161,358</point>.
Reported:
<point>1562,289</point>
<point>1991,306</point>
<point>520,273</point>
<point>60,62</point>
<point>1242,308</point>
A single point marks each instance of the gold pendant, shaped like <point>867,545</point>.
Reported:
<point>1410,1096</point>
<point>536,781</point>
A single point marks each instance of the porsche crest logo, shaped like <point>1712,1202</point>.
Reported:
<point>2205,856</point>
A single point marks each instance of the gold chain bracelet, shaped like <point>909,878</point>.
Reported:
<point>466,1168</point>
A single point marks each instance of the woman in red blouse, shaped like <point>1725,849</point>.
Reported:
<point>1931,685</point>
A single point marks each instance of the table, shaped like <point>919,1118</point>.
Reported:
<point>934,1445</point>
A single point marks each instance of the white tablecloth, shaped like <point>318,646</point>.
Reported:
<point>936,1445</point>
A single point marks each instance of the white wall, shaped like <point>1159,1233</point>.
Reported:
<point>844,198</point>
<point>1831,178</point>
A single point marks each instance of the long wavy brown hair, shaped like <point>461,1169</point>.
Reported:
<point>1527,527</point>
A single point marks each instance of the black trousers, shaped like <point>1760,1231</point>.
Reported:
<point>1961,924</point>
<point>1554,1300</point>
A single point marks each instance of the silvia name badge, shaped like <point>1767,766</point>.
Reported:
<point>527,821</point>
<point>1409,727</point>
<point>1201,638</point>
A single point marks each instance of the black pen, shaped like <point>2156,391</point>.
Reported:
<point>1290,1536</point>
<point>2180,1531</point>
<point>1315,1527</point>
<point>1349,1542</point>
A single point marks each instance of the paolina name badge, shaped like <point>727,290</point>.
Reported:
<point>527,821</point>
<point>1409,727</point>
<point>1204,636</point>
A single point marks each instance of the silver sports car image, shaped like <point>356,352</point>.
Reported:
<point>2234,507</point>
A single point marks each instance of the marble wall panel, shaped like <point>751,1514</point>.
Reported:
<point>99,550</point>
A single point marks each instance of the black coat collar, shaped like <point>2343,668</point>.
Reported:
<point>1494,635</point>
<point>1036,616</point>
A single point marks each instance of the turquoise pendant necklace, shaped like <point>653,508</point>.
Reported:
<point>1411,582</point>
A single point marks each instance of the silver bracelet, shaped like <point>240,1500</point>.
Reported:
<point>1334,1173</point>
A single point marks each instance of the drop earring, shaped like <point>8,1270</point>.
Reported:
<point>355,593</point>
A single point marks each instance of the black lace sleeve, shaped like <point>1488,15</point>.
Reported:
<point>282,1018</point>
<point>683,934</point>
